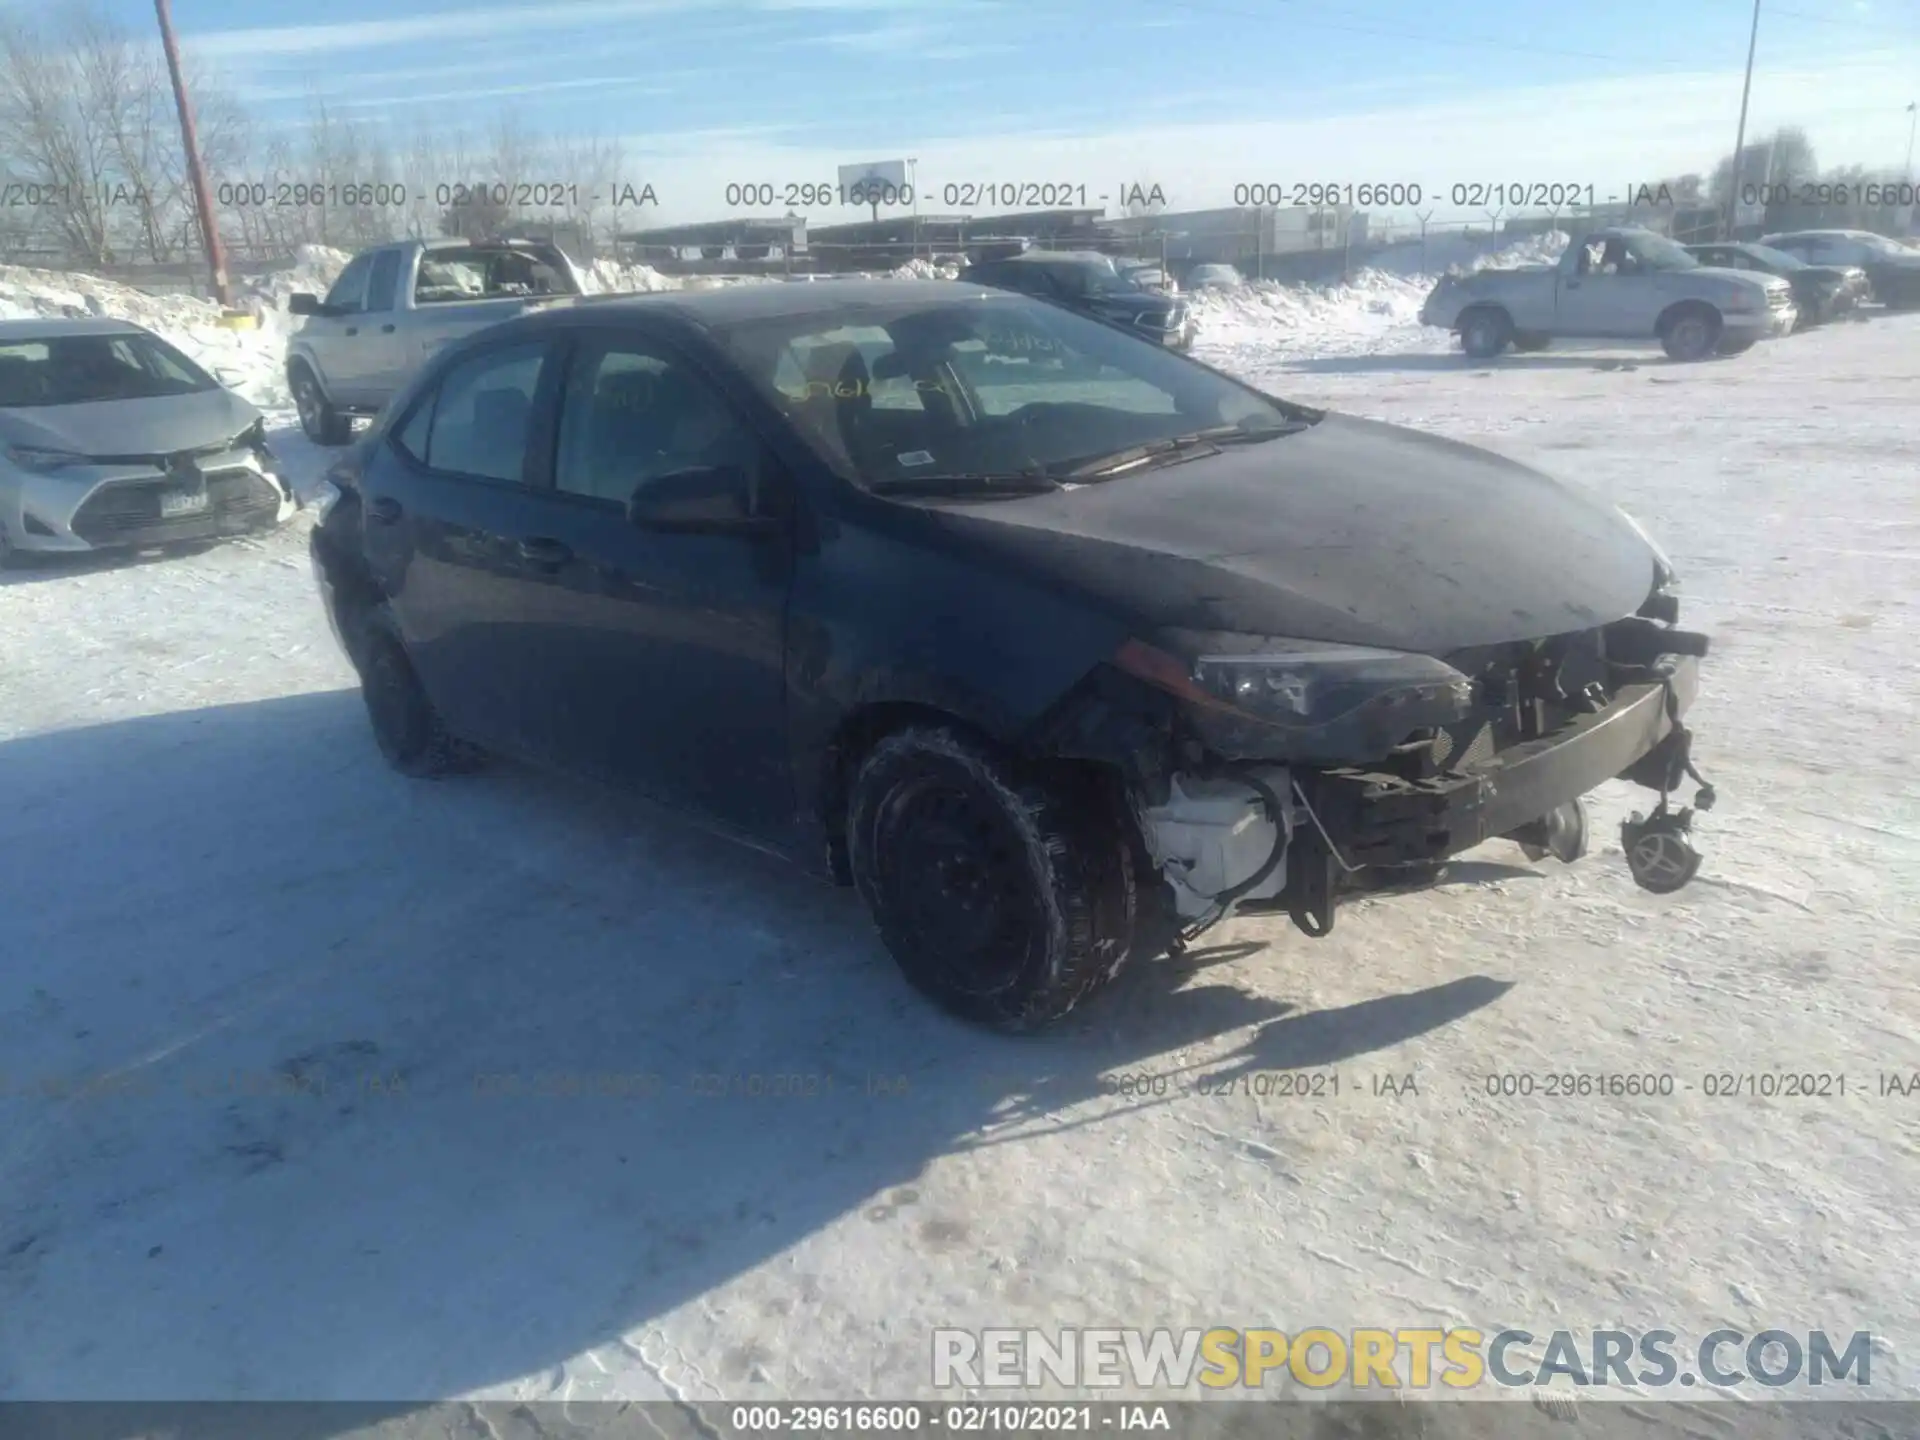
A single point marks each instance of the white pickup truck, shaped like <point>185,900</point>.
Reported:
<point>394,305</point>
<point>1619,283</point>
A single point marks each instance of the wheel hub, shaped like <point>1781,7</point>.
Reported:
<point>957,883</point>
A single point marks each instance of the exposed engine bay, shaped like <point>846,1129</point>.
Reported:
<point>1546,721</point>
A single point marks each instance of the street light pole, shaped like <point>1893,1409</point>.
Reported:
<point>1913,109</point>
<point>1740,135</point>
<point>203,197</point>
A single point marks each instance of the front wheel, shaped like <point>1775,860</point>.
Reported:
<point>1692,334</point>
<point>1005,894</point>
<point>407,728</point>
<point>322,424</point>
<point>1485,333</point>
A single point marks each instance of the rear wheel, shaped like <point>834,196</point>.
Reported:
<point>1485,333</point>
<point>1005,894</point>
<point>1529,344</point>
<point>322,424</point>
<point>1734,347</point>
<point>408,730</point>
<point>1691,332</point>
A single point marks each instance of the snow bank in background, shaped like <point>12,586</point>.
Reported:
<point>1378,310</point>
<point>918,269</point>
<point>608,277</point>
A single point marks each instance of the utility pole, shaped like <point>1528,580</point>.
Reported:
<point>1913,110</point>
<point>203,197</point>
<point>1740,135</point>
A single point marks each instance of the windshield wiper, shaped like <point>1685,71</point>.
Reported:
<point>1210,439</point>
<point>965,483</point>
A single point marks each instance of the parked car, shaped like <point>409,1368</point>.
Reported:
<point>1089,282</point>
<point>1820,292</point>
<point>1055,670</point>
<point>1892,269</point>
<point>396,304</point>
<point>111,438</point>
<point>1145,275</point>
<point>1214,277</point>
<point>1617,283</point>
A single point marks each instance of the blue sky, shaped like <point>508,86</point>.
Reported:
<point>1195,95</point>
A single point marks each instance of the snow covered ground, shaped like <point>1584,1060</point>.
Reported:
<point>209,883</point>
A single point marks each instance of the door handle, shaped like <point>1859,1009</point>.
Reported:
<point>384,509</point>
<point>541,551</point>
<point>386,329</point>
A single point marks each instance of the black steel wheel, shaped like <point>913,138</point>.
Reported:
<point>408,730</point>
<point>1005,895</point>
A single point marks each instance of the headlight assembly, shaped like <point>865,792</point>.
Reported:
<point>1302,700</point>
<point>43,461</point>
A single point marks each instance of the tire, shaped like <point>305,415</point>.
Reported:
<point>322,424</point>
<point>1734,347</point>
<point>1691,333</point>
<point>1531,344</point>
<point>409,731</point>
<point>1485,333</point>
<point>1005,894</point>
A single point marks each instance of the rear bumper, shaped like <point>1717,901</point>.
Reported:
<point>1375,819</point>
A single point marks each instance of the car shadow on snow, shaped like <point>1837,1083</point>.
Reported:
<point>326,1084</point>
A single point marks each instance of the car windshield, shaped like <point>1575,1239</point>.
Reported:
<point>83,369</point>
<point>1891,249</point>
<point>908,393</point>
<point>1767,255</point>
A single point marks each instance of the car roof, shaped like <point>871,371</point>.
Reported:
<point>1070,257</point>
<point>46,327</point>
<point>734,303</point>
<point>1814,235</point>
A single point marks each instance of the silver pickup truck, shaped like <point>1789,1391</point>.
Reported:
<point>1618,283</point>
<point>394,305</point>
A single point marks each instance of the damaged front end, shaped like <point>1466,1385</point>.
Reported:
<point>1272,774</point>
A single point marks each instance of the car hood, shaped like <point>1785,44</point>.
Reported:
<point>131,427</point>
<point>1352,532</point>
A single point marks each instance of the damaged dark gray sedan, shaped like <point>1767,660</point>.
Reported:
<point>1057,646</point>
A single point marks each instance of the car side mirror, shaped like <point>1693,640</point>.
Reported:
<point>706,499</point>
<point>304,305</point>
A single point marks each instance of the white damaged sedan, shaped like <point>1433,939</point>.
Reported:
<point>110,438</point>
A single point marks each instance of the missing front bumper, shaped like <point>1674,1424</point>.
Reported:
<point>1375,819</point>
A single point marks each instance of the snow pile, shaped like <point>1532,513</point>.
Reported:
<point>1341,318</point>
<point>1455,254</point>
<point>1377,311</point>
<point>314,269</point>
<point>918,269</point>
<point>609,277</point>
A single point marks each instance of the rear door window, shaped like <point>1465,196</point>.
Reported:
<point>483,415</point>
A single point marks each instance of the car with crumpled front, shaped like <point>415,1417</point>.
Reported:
<point>1057,647</point>
<point>111,438</point>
